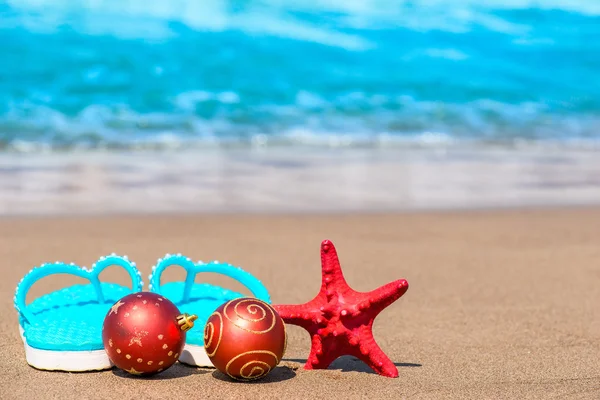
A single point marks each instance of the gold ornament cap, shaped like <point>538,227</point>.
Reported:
<point>186,321</point>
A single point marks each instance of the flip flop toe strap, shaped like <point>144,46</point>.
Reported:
<point>192,269</point>
<point>91,275</point>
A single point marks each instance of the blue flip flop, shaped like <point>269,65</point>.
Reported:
<point>62,330</point>
<point>201,299</point>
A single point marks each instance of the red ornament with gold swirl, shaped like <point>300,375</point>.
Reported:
<point>245,338</point>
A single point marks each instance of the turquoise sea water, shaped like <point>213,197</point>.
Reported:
<point>132,73</point>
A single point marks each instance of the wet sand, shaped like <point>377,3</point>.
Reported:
<point>297,180</point>
<point>501,304</point>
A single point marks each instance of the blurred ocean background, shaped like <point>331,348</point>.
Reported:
<point>133,73</point>
<point>129,75</point>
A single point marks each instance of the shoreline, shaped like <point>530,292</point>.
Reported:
<point>466,212</point>
<point>297,182</point>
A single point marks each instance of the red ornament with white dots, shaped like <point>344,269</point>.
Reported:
<point>144,333</point>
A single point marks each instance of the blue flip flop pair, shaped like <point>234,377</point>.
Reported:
<point>62,330</point>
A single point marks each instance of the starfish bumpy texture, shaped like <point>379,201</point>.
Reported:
<point>340,319</point>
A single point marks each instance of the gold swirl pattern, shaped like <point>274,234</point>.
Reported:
<point>208,337</point>
<point>261,368</point>
<point>255,307</point>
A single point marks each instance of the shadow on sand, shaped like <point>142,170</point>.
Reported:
<point>350,363</point>
<point>279,374</point>
<point>178,370</point>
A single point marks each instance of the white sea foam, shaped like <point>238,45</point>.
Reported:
<point>445,53</point>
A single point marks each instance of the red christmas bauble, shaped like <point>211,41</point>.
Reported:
<point>144,333</point>
<point>245,338</point>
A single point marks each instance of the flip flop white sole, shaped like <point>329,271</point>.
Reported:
<point>70,361</point>
<point>196,356</point>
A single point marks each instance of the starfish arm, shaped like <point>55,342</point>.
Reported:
<point>302,315</point>
<point>321,354</point>
<point>370,353</point>
<point>385,295</point>
<point>332,275</point>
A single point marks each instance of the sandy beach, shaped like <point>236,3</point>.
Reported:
<point>501,304</point>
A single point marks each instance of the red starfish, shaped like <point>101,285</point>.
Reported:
<point>340,319</point>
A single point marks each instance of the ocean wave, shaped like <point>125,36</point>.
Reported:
<point>311,120</point>
<point>131,73</point>
<point>140,19</point>
<point>274,17</point>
